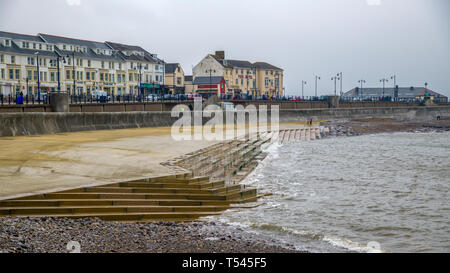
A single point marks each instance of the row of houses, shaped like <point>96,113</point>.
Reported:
<point>216,75</point>
<point>75,65</point>
<point>33,64</point>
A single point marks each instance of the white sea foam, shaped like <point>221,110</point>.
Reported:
<point>371,247</point>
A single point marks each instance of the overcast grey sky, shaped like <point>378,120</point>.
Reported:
<point>364,39</point>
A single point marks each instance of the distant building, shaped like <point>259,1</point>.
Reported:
<point>207,86</point>
<point>189,84</point>
<point>399,93</point>
<point>242,77</point>
<point>175,78</point>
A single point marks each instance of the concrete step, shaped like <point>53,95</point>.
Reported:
<point>194,180</point>
<point>152,216</point>
<point>206,185</point>
<point>116,189</point>
<point>112,202</point>
<point>27,211</point>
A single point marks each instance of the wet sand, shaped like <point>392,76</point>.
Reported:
<point>32,164</point>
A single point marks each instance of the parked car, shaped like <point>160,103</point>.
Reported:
<point>101,96</point>
<point>152,97</point>
<point>226,106</point>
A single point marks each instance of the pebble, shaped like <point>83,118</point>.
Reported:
<point>52,235</point>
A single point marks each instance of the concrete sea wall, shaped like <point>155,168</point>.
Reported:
<point>15,124</point>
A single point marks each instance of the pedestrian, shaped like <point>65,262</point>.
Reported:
<point>310,121</point>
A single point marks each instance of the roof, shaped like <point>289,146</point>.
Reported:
<point>263,65</point>
<point>18,36</point>
<point>147,57</point>
<point>403,92</point>
<point>170,68</point>
<point>15,49</point>
<point>244,64</point>
<point>208,80</point>
<point>65,40</point>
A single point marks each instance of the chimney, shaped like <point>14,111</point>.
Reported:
<point>220,55</point>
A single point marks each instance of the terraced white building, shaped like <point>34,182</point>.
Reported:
<point>84,66</point>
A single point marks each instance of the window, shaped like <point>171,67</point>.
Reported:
<point>67,74</point>
<point>7,43</point>
<point>45,76</point>
<point>3,74</point>
<point>35,74</point>
<point>13,59</point>
<point>17,74</point>
<point>157,78</point>
<point>34,45</point>
<point>271,72</point>
<point>89,63</point>
<point>103,64</point>
<point>69,61</point>
<point>88,76</point>
<point>237,81</point>
<point>179,80</point>
<point>40,46</point>
<point>267,72</point>
<point>52,76</point>
<point>2,58</point>
<point>130,77</point>
<point>29,74</point>
<point>93,76</point>
<point>101,76</point>
<point>64,47</point>
<point>30,61</point>
<point>266,81</point>
<point>11,74</point>
<point>120,66</point>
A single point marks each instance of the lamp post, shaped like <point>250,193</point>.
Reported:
<point>254,84</point>
<point>361,90</point>
<point>395,80</point>
<point>384,81</point>
<point>139,66</point>
<point>335,79</point>
<point>210,78</point>
<point>38,76</point>
<point>303,88</point>
<point>340,75</point>
<point>58,59</point>
<point>317,78</point>
<point>73,71</point>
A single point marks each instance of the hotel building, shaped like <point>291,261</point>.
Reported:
<point>84,66</point>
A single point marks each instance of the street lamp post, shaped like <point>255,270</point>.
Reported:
<point>58,59</point>
<point>340,75</point>
<point>73,71</point>
<point>255,90</point>
<point>210,79</point>
<point>395,80</point>
<point>361,90</point>
<point>317,78</point>
<point>384,81</point>
<point>303,88</point>
<point>38,77</point>
<point>335,79</point>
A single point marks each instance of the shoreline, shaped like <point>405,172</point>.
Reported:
<point>51,235</point>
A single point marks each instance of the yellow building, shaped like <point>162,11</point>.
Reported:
<point>174,78</point>
<point>242,77</point>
